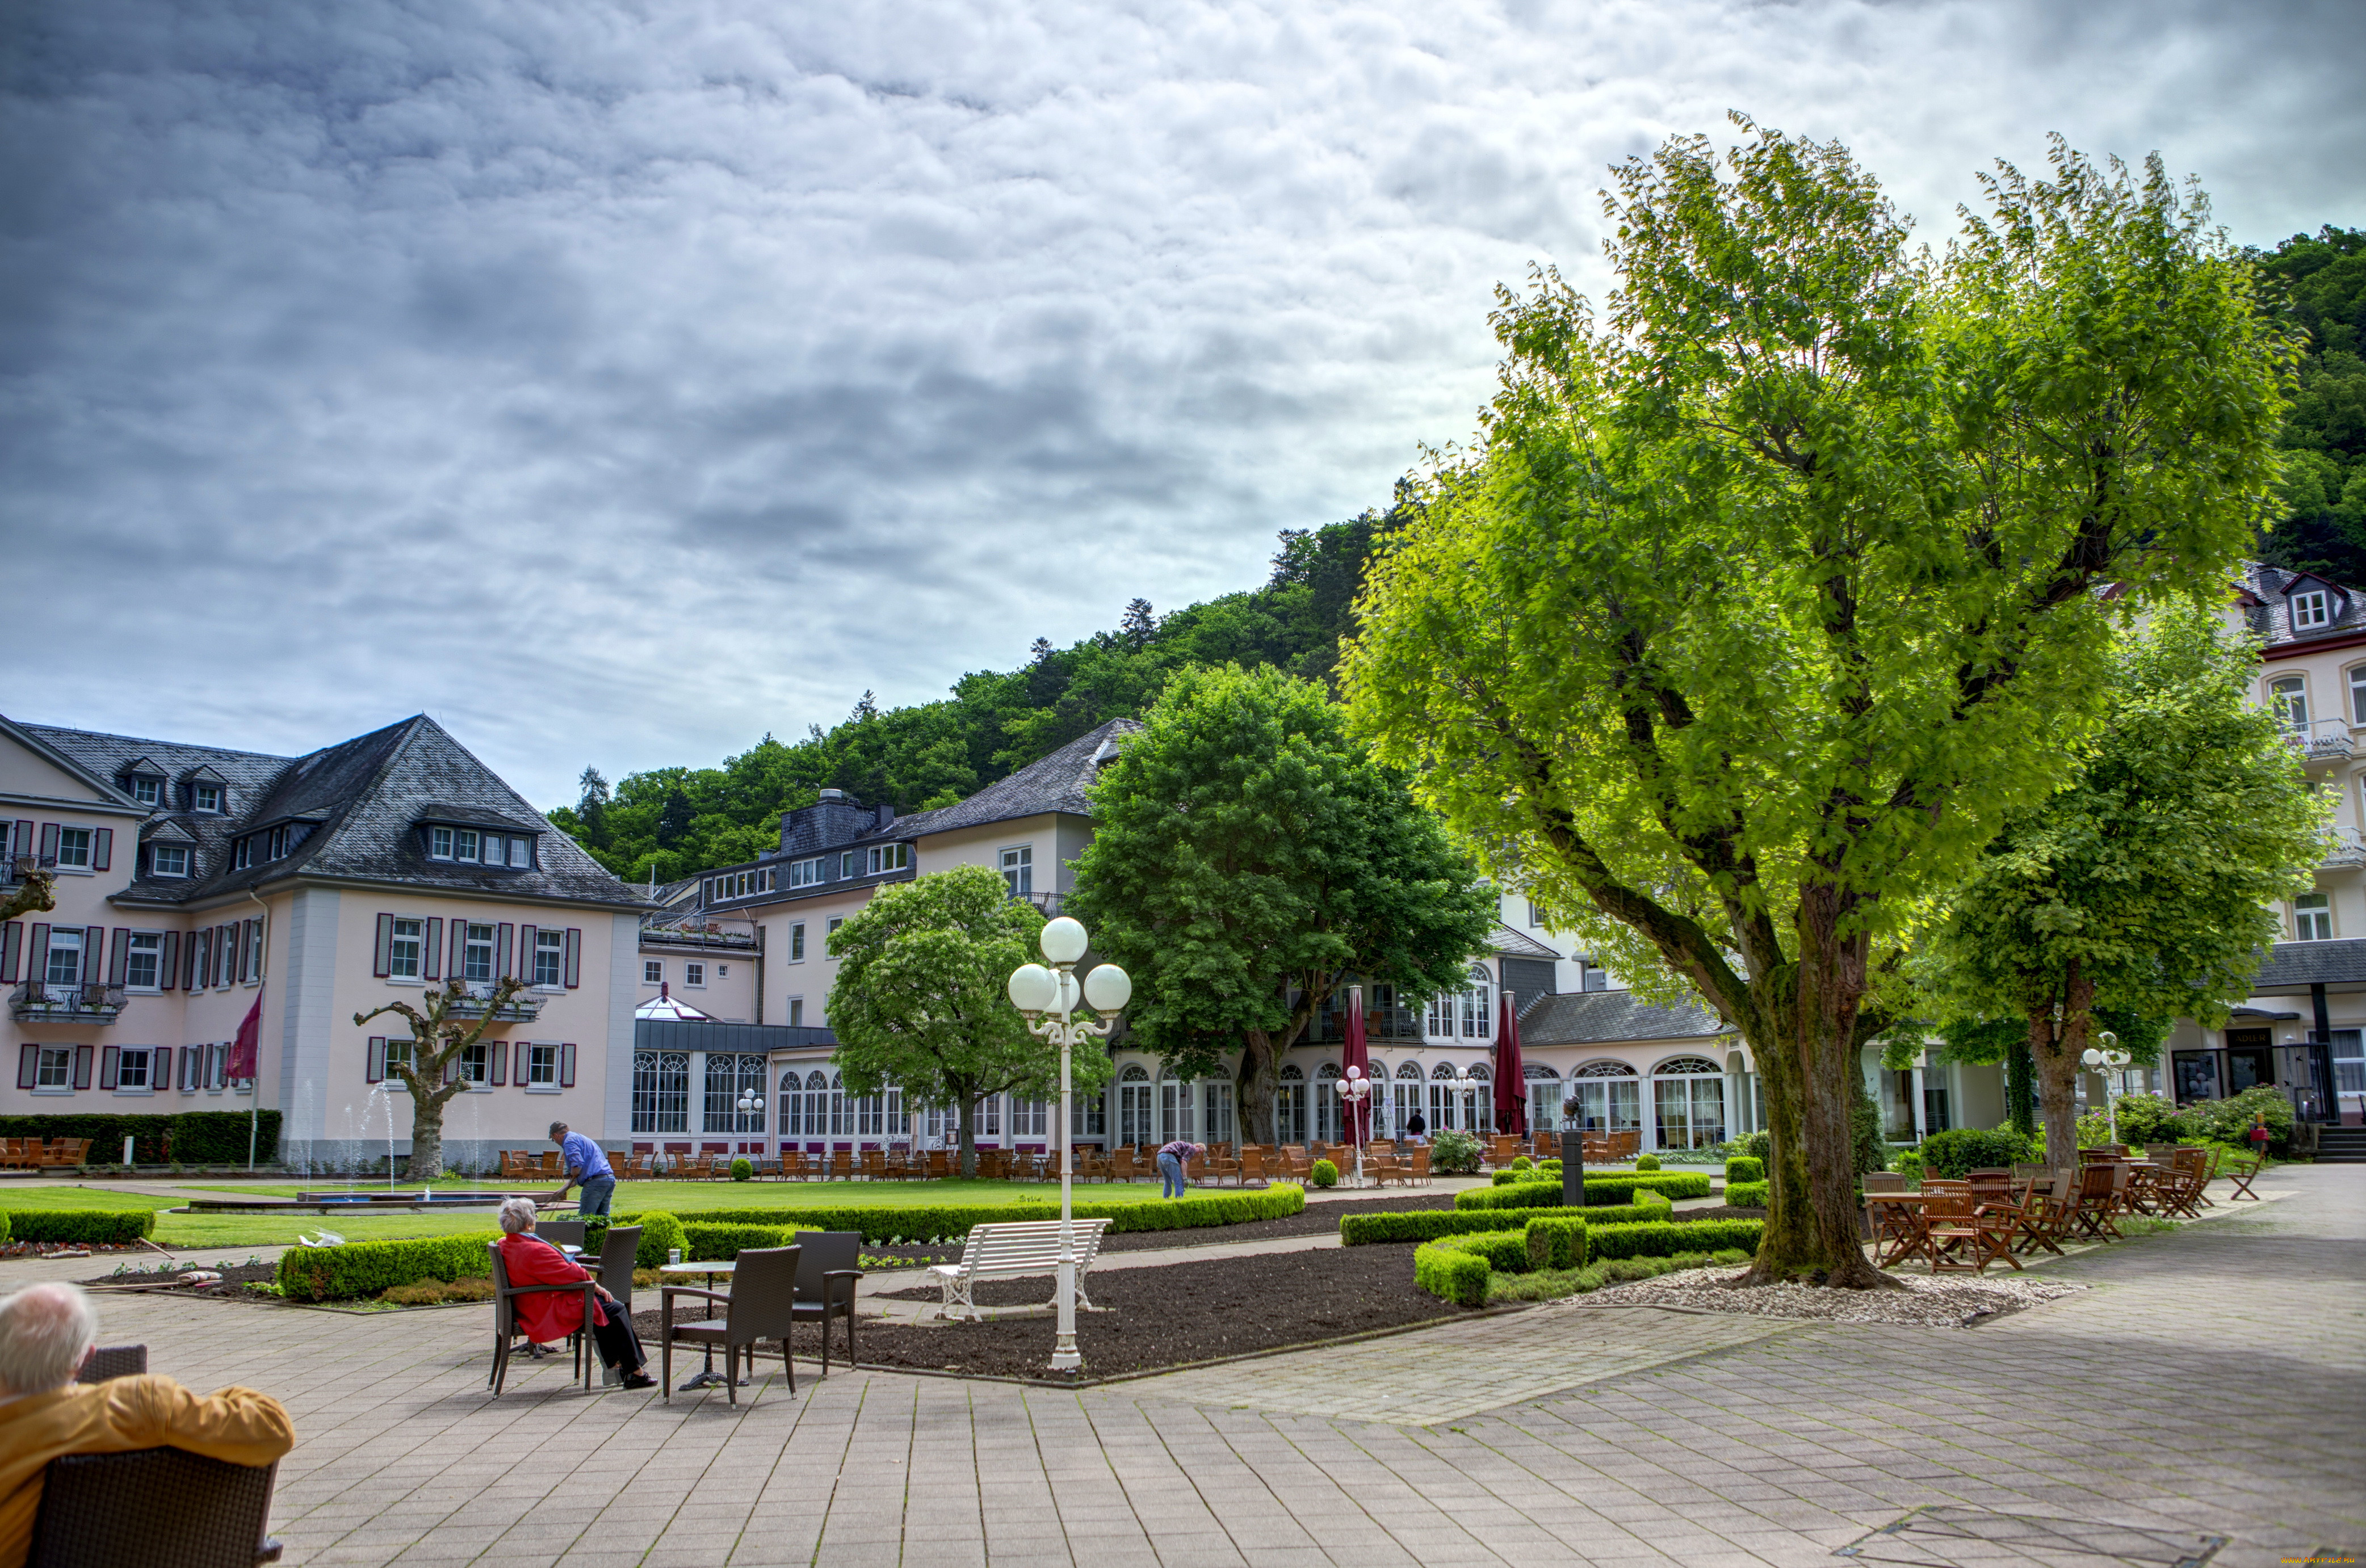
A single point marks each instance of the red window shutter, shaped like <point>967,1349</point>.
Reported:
<point>118,962</point>
<point>382,963</point>
<point>574,957</point>
<point>28,1066</point>
<point>82,1066</point>
<point>93,954</point>
<point>107,1058</point>
<point>37,955</point>
<point>567,1066</point>
<point>9,934</point>
<point>376,1067</point>
<point>433,953</point>
<point>102,849</point>
<point>50,841</point>
<point>502,969</point>
<point>498,1053</point>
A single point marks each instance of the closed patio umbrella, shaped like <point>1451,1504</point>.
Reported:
<point>1359,1117</point>
<point>1511,1075</point>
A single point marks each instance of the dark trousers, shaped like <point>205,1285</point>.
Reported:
<point>619,1345</point>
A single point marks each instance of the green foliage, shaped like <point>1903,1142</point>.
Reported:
<point>674,821</point>
<point>362,1268</point>
<point>743,1168</point>
<point>1961,1150</point>
<point>1758,1146</point>
<point>1247,857</point>
<point>1743,1168</point>
<point>1555,1242</point>
<point>2316,286</point>
<point>1427,1224</point>
<point>1747,1195</point>
<point>103,1228</point>
<point>1325,1173</point>
<point>884,1227</point>
<point>188,1138</point>
<point>1505,1250</point>
<point>921,998</point>
<point>1439,1266</point>
<point>1667,1185</point>
<point>2229,1121</point>
<point>660,1233</point>
<point>1453,1153</point>
<point>1668,1238</point>
<point>1553,1285</point>
<point>3,1224</point>
<point>1647,1162</point>
<point>2149,1118</point>
<point>1521,1162</point>
<point>1450,1274</point>
<point>1867,1152</point>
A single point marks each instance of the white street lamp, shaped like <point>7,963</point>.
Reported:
<point>1465,1081</point>
<point>2113,1061</point>
<point>1047,998</point>
<point>1354,1092</point>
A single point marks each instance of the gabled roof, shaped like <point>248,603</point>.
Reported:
<point>141,765</point>
<point>1513,944</point>
<point>2263,592</point>
<point>1054,783</point>
<point>39,739</point>
<point>1605,1017</point>
<point>165,830</point>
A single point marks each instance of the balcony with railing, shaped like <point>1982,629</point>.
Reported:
<point>2344,850</point>
<point>1330,1026</point>
<point>476,999</point>
<point>33,1003</point>
<point>13,867</point>
<point>698,931</point>
<point>2328,740</point>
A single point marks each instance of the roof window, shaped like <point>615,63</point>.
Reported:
<point>2311,609</point>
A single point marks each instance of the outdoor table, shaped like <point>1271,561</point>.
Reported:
<point>704,1378</point>
<point>1909,1221</point>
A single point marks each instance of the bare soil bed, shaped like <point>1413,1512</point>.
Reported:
<point>1157,1318</point>
<point>237,1283</point>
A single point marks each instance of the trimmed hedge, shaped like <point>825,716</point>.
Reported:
<point>1599,1191</point>
<point>1555,1243</point>
<point>1747,1195</point>
<point>1742,1168</point>
<point>188,1138</point>
<point>105,1227</point>
<point>1507,1251</point>
<point>1521,1175</point>
<point>1647,1162</point>
<point>1667,1239</point>
<point>4,1226</point>
<point>721,1243</point>
<point>950,1222</point>
<point>1429,1225</point>
<point>1450,1274</point>
<point>364,1268</point>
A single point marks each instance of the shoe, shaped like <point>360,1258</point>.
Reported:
<point>640,1379</point>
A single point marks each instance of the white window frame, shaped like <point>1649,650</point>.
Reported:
<point>885,857</point>
<point>148,945</point>
<point>439,844</point>
<point>156,867</point>
<point>63,939</point>
<point>206,798</point>
<point>796,1013</point>
<point>521,853</point>
<point>396,938</point>
<point>2313,917</point>
<point>471,947</point>
<point>475,1066</point>
<point>549,943</point>
<point>2357,675</point>
<point>241,853</point>
<point>73,841</point>
<point>2288,700</point>
<point>693,975</point>
<point>123,1060</point>
<point>653,972</point>
<point>147,789</point>
<point>1017,863</point>
<point>464,844</point>
<point>809,873</point>
<point>541,1067</point>
<point>796,941</point>
<point>2311,610</point>
<point>489,849</point>
<point>57,1060</point>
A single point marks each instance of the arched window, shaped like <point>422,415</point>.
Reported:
<point>1443,1070</point>
<point>1609,1098</point>
<point>1409,1069</point>
<point>1133,1074</point>
<point>1605,1069</point>
<point>1478,1007</point>
<point>728,1076</point>
<point>1289,1105</point>
<point>1535,1070</point>
<point>1134,1106</point>
<point>2288,699</point>
<point>1326,1103</point>
<point>660,1091</point>
<point>1544,1096</point>
<point>1688,1103</point>
<point>1675,1067</point>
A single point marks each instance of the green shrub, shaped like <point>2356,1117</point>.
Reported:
<point>1747,1195</point>
<point>1522,1163</point>
<point>1647,1162</point>
<point>1599,1189</point>
<point>1908,1164</point>
<point>1758,1146</point>
<point>4,1226</point>
<point>2149,1119</point>
<point>189,1137</point>
<point>1507,1251</point>
<point>1429,1225</point>
<point>1742,1168</point>
<point>2229,1121</point>
<point>743,1168</point>
<point>1555,1243</point>
<point>925,1223</point>
<point>721,1243</point>
<point>1953,1154</point>
<point>82,1227</point>
<point>367,1267</point>
<point>1666,1238</point>
<point>1455,1154</point>
<point>660,1232</point>
<point>1450,1274</point>
<point>1325,1173</point>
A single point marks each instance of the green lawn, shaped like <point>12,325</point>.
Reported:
<point>14,1197</point>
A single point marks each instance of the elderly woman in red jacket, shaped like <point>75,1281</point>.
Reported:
<point>548,1317</point>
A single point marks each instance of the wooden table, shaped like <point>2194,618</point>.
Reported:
<point>1908,1220</point>
<point>706,1377</point>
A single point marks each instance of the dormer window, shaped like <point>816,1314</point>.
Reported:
<point>2311,610</point>
<point>890,857</point>
<point>205,798</point>
<point>146,789</point>
<point>168,860</point>
<point>479,846</point>
<point>241,853</point>
<point>439,844</point>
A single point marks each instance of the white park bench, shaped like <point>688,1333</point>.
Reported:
<point>1014,1252</point>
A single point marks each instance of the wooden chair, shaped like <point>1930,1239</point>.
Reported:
<point>1122,1163</point>
<point>761,1304</point>
<point>841,1165</point>
<point>2095,1198</point>
<point>875,1164</point>
<point>939,1165</point>
<point>2243,1174</point>
<point>1955,1242</point>
<point>1252,1166</point>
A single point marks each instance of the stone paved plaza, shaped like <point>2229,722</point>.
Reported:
<point>2211,1381</point>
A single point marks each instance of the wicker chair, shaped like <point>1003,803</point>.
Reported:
<point>616,1253</point>
<point>828,1273</point>
<point>113,1360</point>
<point>761,1306</point>
<point>563,1232</point>
<point>505,1329</point>
<point>152,1508</point>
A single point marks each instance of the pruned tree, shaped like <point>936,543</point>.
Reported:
<point>922,999</point>
<point>449,1021</point>
<point>1247,857</point>
<point>34,892</point>
<point>1749,618</point>
<point>2147,884</point>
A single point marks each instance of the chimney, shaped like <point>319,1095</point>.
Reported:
<point>886,815</point>
<point>833,794</point>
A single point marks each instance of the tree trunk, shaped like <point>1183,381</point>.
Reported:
<point>1787,1247</point>
<point>2056,1052</point>
<point>2020,1088</point>
<point>967,1133</point>
<point>1258,1081</point>
<point>426,1136</point>
<point>1832,972</point>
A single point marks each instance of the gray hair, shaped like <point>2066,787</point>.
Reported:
<point>517,1215</point>
<point>557,1129</point>
<point>46,1334</point>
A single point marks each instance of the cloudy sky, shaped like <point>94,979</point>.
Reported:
<point>618,382</point>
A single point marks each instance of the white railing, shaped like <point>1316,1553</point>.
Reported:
<point>2328,740</point>
<point>2343,848</point>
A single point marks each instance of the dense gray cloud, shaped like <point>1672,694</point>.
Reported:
<point>618,382</point>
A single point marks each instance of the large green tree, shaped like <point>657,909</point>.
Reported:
<point>1248,858</point>
<point>2148,882</point>
<point>1746,620</point>
<point>921,1002</point>
<point>2317,283</point>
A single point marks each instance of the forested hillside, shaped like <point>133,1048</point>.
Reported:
<point>674,821</point>
<point>2324,289</point>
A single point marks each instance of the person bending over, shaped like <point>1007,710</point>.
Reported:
<point>587,1166</point>
<point>1174,1160</point>
<point>47,1333</point>
<point>548,1317</point>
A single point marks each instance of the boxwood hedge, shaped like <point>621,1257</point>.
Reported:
<point>364,1268</point>
<point>1743,1168</point>
<point>1427,1224</point>
<point>1555,1243</point>
<point>1599,1191</point>
<point>950,1222</point>
<point>1746,1194</point>
<point>103,1227</point>
<point>660,1231</point>
<point>1456,1268</point>
<point>1450,1274</point>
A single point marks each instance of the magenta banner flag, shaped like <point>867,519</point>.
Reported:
<point>1511,1075</point>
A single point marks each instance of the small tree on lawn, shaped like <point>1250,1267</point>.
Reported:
<point>2150,883</point>
<point>922,1002</point>
<point>450,1021</point>
<point>1247,857</point>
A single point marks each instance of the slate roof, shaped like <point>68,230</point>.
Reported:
<point>2264,606</point>
<point>2298,965</point>
<point>1052,783</point>
<point>1514,943</point>
<point>365,797</point>
<point>1609,1017</point>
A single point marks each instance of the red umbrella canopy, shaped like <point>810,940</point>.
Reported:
<point>1359,1118</point>
<point>1511,1075</point>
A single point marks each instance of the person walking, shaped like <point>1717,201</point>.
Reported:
<point>587,1166</point>
<point>1173,1160</point>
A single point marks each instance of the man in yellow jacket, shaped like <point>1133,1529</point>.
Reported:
<point>47,1332</point>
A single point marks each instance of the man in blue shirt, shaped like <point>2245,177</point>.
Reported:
<point>587,1165</point>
